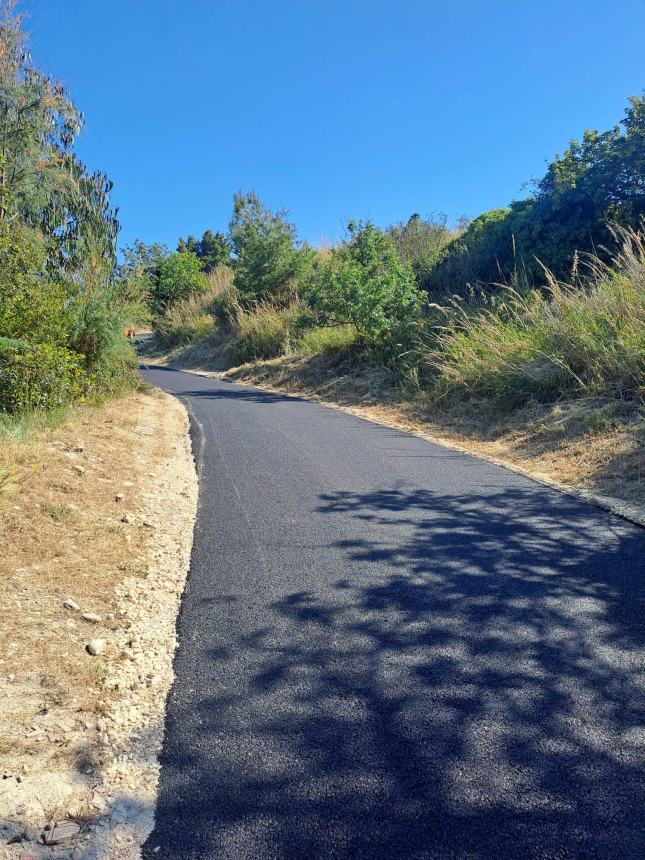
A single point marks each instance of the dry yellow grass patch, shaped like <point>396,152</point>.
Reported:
<point>63,496</point>
<point>61,536</point>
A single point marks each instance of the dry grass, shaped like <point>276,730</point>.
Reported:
<point>61,536</point>
<point>194,318</point>
<point>585,339</point>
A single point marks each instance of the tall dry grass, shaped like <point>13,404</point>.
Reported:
<point>195,317</point>
<point>581,339</point>
<point>263,330</point>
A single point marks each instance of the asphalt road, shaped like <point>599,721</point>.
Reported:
<point>389,649</point>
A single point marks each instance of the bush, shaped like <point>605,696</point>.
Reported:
<point>484,253</point>
<point>38,376</point>
<point>176,276</point>
<point>568,341</point>
<point>32,304</point>
<point>364,283</point>
<point>420,241</point>
<point>268,261</point>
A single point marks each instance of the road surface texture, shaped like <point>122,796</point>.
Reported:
<point>389,649</point>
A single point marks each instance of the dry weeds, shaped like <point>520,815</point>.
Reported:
<point>62,501</point>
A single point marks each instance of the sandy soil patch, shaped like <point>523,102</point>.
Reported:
<point>95,538</point>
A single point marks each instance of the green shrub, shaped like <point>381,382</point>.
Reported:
<point>268,261</point>
<point>420,242</point>
<point>175,277</point>
<point>32,303</point>
<point>38,376</point>
<point>364,283</point>
<point>566,341</point>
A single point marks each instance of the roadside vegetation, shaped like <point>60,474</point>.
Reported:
<point>534,307</point>
<point>62,304</point>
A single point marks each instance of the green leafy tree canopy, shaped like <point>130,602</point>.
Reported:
<point>267,259</point>
<point>213,249</point>
<point>176,276</point>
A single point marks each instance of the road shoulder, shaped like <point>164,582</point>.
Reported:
<point>98,518</point>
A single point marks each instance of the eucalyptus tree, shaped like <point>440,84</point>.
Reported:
<point>42,182</point>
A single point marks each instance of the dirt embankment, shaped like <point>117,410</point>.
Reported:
<point>95,538</point>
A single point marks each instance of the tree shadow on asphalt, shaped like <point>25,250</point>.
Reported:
<point>473,687</point>
<point>246,394</point>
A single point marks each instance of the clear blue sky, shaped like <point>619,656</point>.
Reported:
<point>332,108</point>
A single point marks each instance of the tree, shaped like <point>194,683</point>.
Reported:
<point>176,276</point>
<point>213,249</point>
<point>267,260</point>
<point>58,233</point>
<point>596,181</point>
<point>38,124</point>
<point>42,182</point>
<point>365,283</point>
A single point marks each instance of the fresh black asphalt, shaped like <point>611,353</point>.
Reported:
<point>389,649</point>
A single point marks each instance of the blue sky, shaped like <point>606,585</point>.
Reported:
<point>332,109</point>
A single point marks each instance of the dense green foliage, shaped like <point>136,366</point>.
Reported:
<point>213,249</point>
<point>364,282</point>
<point>596,182</point>
<point>60,321</point>
<point>32,305</point>
<point>175,277</point>
<point>267,259</point>
<point>38,375</point>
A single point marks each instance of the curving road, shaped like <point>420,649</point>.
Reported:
<point>389,649</point>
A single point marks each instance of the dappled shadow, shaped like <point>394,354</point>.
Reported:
<point>252,395</point>
<point>469,685</point>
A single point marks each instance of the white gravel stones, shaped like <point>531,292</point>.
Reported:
<point>69,603</point>
<point>96,647</point>
<point>127,518</point>
<point>92,617</point>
